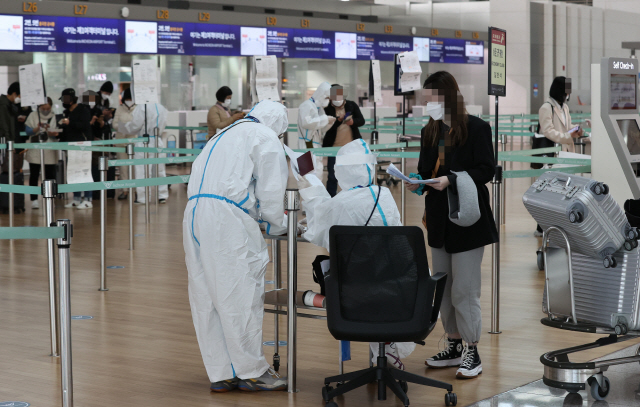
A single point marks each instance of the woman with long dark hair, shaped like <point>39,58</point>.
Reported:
<point>451,142</point>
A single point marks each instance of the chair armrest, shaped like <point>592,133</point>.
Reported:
<point>440,280</point>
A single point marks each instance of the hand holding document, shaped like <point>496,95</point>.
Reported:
<point>393,170</point>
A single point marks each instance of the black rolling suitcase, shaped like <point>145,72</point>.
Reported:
<point>18,199</point>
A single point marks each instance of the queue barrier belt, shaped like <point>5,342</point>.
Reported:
<point>159,160</point>
<point>62,146</point>
<point>31,232</point>
<point>536,173</point>
<point>98,186</point>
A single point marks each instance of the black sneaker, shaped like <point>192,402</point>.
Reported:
<point>471,365</point>
<point>449,357</point>
<point>224,386</point>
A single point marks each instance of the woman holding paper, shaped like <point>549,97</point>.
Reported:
<point>555,120</point>
<point>220,115</point>
<point>454,141</point>
<point>42,121</point>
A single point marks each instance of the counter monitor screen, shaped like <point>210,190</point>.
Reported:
<point>623,92</point>
<point>631,133</point>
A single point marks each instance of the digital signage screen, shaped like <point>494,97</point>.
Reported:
<point>101,35</point>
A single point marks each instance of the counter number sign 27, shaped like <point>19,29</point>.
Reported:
<point>497,61</point>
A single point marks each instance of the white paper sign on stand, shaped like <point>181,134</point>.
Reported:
<point>31,85</point>
<point>144,81</point>
<point>377,81</point>
<point>410,71</point>
<point>79,164</point>
<point>266,78</point>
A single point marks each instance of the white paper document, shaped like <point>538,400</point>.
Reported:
<point>393,170</point>
<point>31,85</point>
<point>144,81</point>
<point>79,166</point>
<point>410,71</point>
<point>267,78</point>
<point>377,81</point>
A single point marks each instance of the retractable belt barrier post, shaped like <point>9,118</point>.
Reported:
<point>292,205</point>
<point>64,269</point>
<point>49,191</point>
<point>157,168</point>
<point>403,194</point>
<point>146,188</point>
<point>103,225</point>
<point>130,169</point>
<point>503,193</point>
<point>10,161</point>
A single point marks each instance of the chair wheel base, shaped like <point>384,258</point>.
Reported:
<point>450,399</point>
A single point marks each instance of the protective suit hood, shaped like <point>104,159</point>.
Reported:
<point>323,92</point>
<point>355,165</point>
<point>271,114</point>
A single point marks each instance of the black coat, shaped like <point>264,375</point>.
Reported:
<point>79,127</point>
<point>476,158</point>
<point>358,120</point>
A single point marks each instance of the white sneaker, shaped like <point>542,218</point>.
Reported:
<point>85,205</point>
<point>35,204</point>
<point>72,204</point>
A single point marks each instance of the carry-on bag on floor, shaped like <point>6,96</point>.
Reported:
<point>595,224</point>
<point>608,298</point>
<point>18,199</point>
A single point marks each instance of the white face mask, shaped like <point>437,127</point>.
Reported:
<point>325,103</point>
<point>338,103</point>
<point>227,103</point>
<point>16,100</point>
<point>127,103</point>
<point>105,96</point>
<point>435,110</point>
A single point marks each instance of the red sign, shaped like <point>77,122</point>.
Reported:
<point>498,37</point>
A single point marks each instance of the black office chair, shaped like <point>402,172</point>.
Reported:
<point>379,290</point>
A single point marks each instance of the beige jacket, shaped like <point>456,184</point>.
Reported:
<point>33,155</point>
<point>555,126</point>
<point>217,118</point>
<point>123,115</point>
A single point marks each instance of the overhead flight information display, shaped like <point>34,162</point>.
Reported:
<point>101,35</point>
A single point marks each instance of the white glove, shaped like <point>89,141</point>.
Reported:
<point>301,228</point>
<point>331,120</point>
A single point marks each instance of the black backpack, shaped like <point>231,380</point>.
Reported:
<point>542,142</point>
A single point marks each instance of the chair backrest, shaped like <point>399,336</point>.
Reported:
<point>379,288</point>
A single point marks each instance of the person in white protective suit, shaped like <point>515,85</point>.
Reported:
<point>156,119</point>
<point>313,122</point>
<point>354,170</point>
<point>237,183</point>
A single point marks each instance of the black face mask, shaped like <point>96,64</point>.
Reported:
<point>66,105</point>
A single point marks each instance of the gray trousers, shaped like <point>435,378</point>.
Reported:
<point>460,309</point>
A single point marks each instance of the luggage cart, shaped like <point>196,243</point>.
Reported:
<point>559,371</point>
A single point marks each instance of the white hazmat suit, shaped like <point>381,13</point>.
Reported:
<point>312,122</point>
<point>354,169</point>
<point>156,119</point>
<point>238,181</point>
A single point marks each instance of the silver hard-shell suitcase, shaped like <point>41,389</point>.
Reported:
<point>582,207</point>
<point>607,298</point>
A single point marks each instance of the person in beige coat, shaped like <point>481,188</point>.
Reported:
<point>41,120</point>
<point>554,117</point>
<point>124,114</point>
<point>219,115</point>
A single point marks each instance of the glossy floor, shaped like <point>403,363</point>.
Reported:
<point>625,390</point>
<point>140,347</point>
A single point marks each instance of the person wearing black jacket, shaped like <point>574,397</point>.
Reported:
<point>101,113</point>
<point>343,130</point>
<point>454,141</point>
<point>76,127</point>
